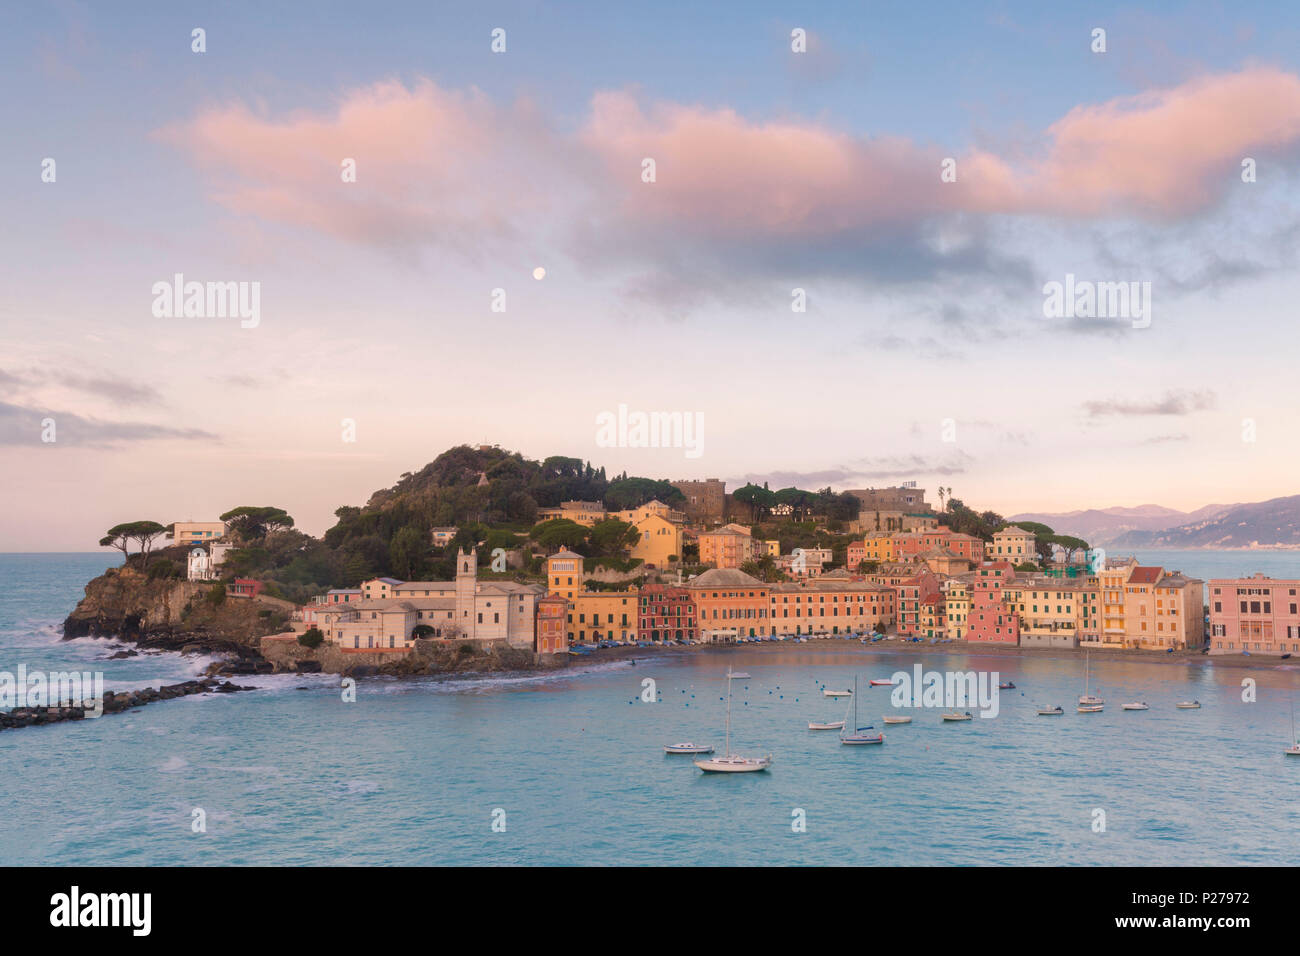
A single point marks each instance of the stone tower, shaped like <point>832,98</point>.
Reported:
<point>466,591</point>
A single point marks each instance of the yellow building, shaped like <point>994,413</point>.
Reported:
<point>1051,610</point>
<point>592,615</point>
<point>1013,544</point>
<point>880,548</point>
<point>564,574</point>
<point>604,616</point>
<point>656,507</point>
<point>660,544</point>
<point>1148,608</point>
<point>197,532</point>
<point>958,603</point>
<point>585,513</point>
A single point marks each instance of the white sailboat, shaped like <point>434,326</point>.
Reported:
<point>1294,749</point>
<point>729,762</point>
<point>1091,702</point>
<point>855,736</point>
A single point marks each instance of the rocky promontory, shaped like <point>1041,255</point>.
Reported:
<point>166,613</point>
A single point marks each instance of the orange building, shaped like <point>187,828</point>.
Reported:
<point>730,604</point>
<point>727,548</point>
<point>830,606</point>
<point>552,625</point>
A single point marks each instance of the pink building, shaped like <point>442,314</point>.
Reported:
<point>914,595</point>
<point>1256,614</point>
<point>991,618</point>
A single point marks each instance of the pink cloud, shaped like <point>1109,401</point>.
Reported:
<point>431,164</point>
<point>455,167</point>
<point>1160,154</point>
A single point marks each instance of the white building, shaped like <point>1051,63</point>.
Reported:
<point>463,609</point>
<point>205,564</point>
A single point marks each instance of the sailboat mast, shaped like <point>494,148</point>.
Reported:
<point>728,711</point>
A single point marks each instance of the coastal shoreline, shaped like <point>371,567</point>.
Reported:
<point>840,645</point>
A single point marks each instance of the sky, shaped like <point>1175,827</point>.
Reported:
<point>837,265</point>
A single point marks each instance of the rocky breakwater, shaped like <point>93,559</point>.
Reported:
<point>166,613</point>
<point>113,703</point>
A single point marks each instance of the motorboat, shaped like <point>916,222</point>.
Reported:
<point>1188,705</point>
<point>897,720</point>
<point>1136,705</point>
<point>688,748</point>
<point>1050,711</point>
<point>956,716</point>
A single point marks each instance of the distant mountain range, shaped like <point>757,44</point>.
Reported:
<point>1272,523</point>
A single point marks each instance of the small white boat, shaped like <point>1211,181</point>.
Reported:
<point>1188,705</point>
<point>1292,751</point>
<point>887,682</point>
<point>740,675</point>
<point>1050,711</point>
<point>897,720</point>
<point>957,716</point>
<point>833,725</point>
<point>688,748</point>
<point>1136,705</point>
<point>827,692</point>
<point>1090,708</point>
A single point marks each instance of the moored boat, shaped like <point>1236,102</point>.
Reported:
<point>885,682</point>
<point>827,692</point>
<point>897,720</point>
<point>1009,685</point>
<point>1090,708</point>
<point>1188,705</point>
<point>832,725</point>
<point>1050,711</point>
<point>1136,705</point>
<point>729,762</point>
<point>956,716</point>
<point>687,748</point>
<point>1088,699</point>
<point>733,764</point>
<point>857,737</point>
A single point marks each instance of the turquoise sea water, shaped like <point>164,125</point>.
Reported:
<point>413,771</point>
